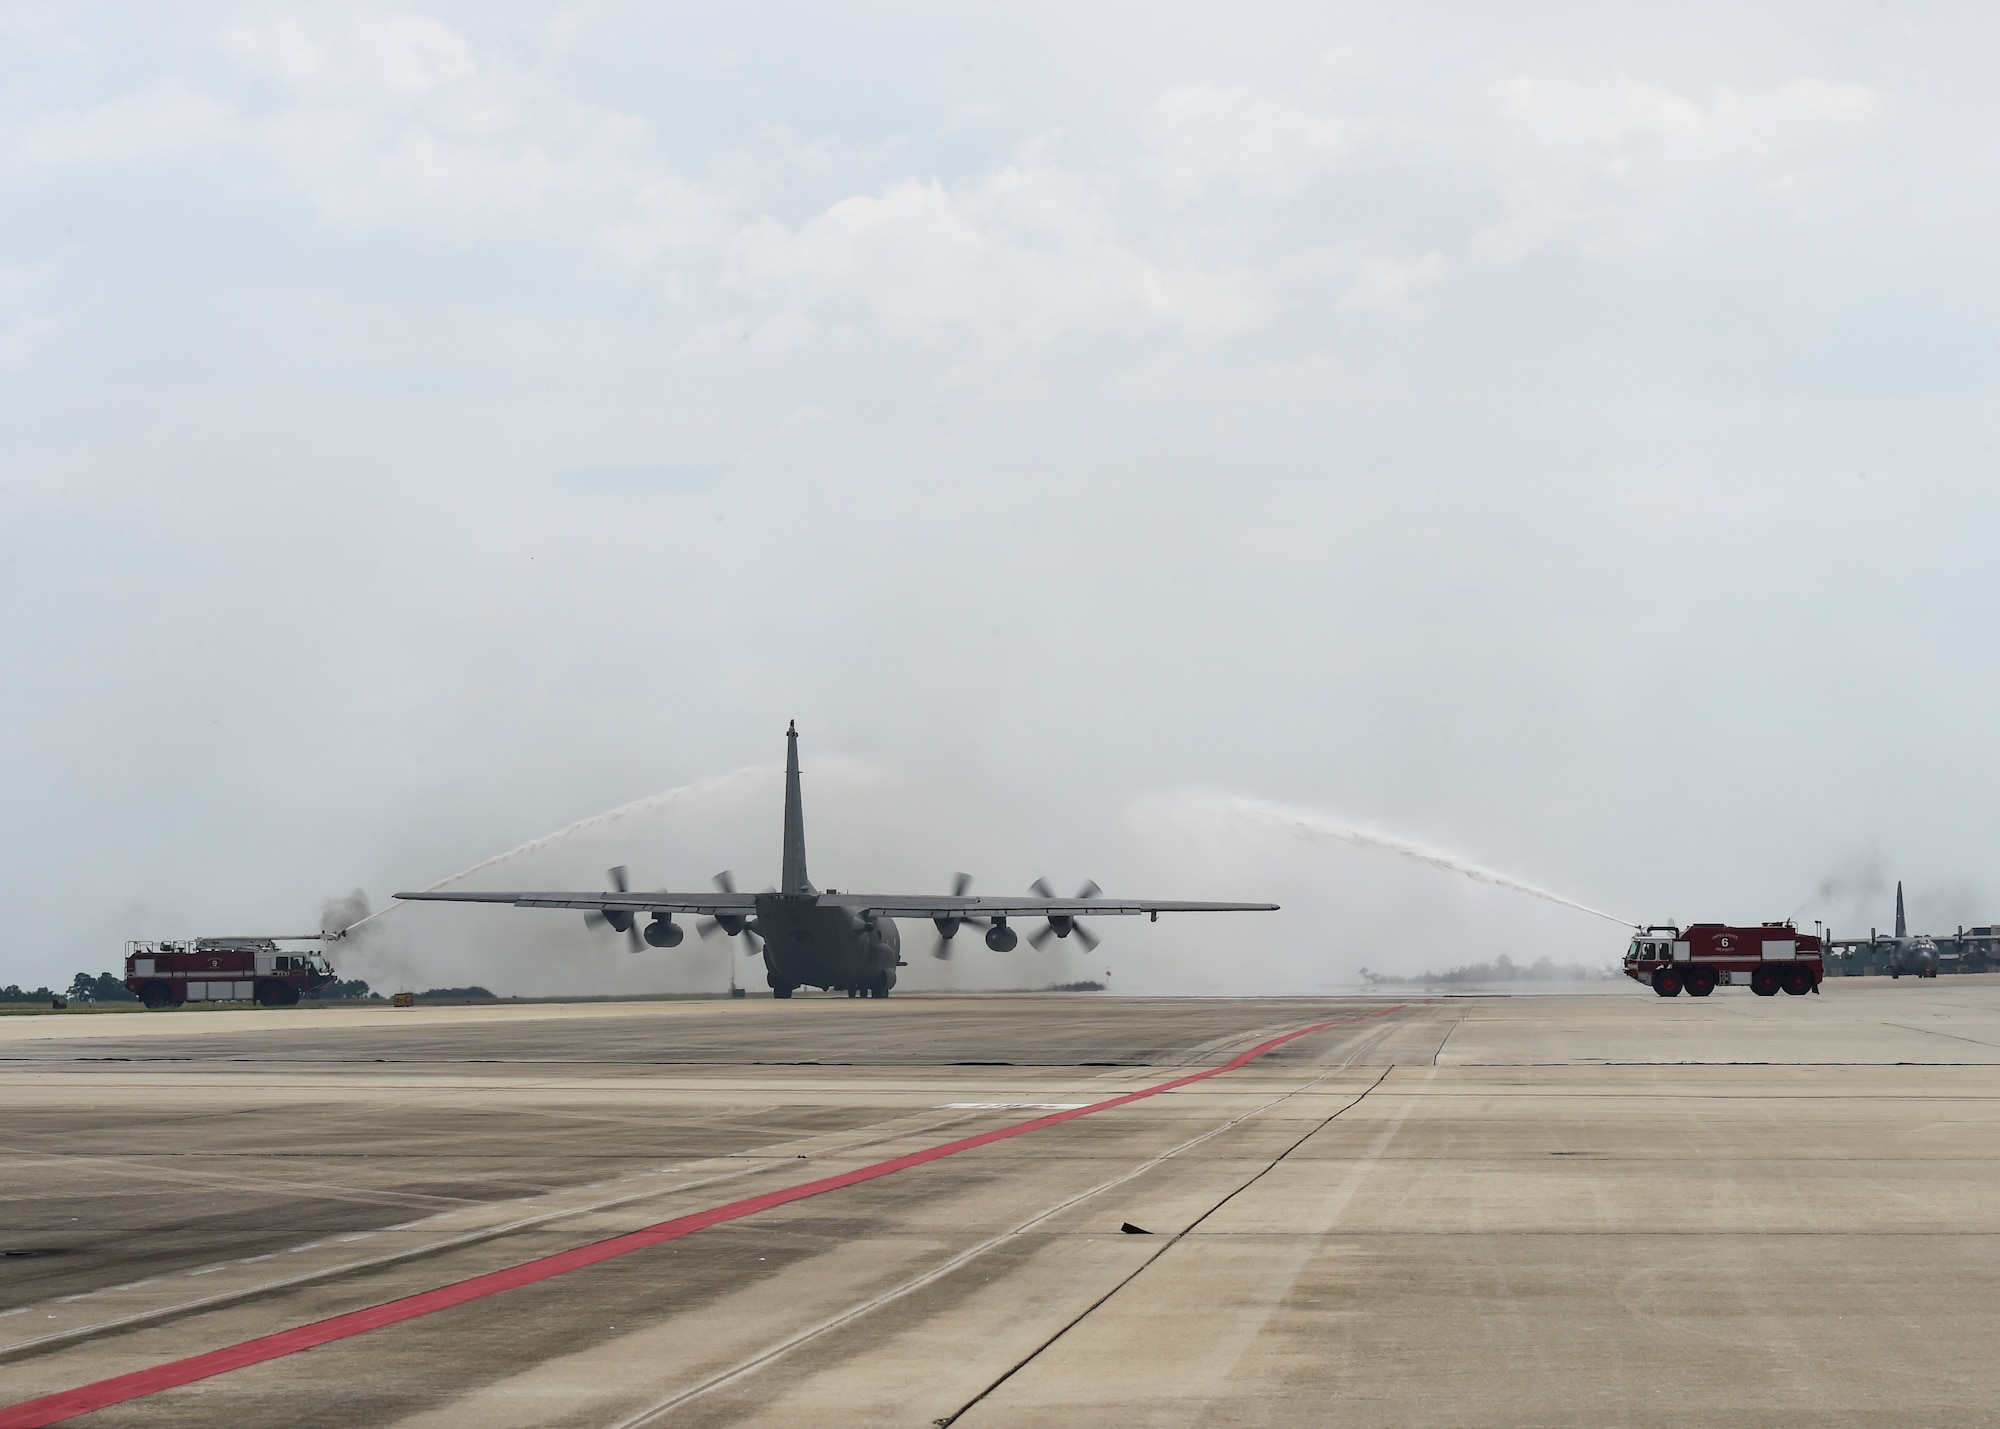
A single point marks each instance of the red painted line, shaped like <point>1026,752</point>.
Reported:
<point>67,1404</point>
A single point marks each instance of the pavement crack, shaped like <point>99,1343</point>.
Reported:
<point>654,1412</point>
<point>1171,1241</point>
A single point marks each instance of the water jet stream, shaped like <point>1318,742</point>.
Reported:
<point>1320,828</point>
<point>683,794</point>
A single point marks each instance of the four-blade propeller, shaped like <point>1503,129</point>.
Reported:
<point>1062,925</point>
<point>730,924</point>
<point>618,920</point>
<point>946,927</point>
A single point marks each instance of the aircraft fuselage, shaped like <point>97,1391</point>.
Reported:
<point>807,944</point>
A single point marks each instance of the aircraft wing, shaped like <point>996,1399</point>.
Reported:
<point>891,905</point>
<point>903,905</point>
<point>637,901</point>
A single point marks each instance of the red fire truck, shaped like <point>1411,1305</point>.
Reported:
<point>169,974</point>
<point>1767,958</point>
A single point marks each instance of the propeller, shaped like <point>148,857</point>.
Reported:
<point>729,924</point>
<point>946,927</point>
<point>619,920</point>
<point>1063,924</point>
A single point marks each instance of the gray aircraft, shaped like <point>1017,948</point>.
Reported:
<point>833,940</point>
<point>1904,952</point>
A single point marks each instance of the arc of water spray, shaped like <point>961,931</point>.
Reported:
<point>1319,828</point>
<point>684,793</point>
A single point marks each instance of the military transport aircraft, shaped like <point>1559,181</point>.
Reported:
<point>834,940</point>
<point>1899,953</point>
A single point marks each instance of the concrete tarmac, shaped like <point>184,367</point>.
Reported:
<point>1603,1210</point>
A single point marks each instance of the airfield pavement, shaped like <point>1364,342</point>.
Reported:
<point>1524,1211</point>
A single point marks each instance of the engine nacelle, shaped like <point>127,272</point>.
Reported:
<point>1001,938</point>
<point>1061,924</point>
<point>664,932</point>
<point>730,923</point>
<point>620,921</point>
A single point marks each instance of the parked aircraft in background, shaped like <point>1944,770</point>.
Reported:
<point>1900,953</point>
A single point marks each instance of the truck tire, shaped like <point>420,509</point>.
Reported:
<point>1798,981</point>
<point>1764,982</point>
<point>1666,982</point>
<point>156,995</point>
<point>276,994</point>
<point>1700,982</point>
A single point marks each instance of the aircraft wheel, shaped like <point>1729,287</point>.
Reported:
<point>1798,982</point>
<point>1666,982</point>
<point>781,989</point>
<point>1764,982</point>
<point>155,995</point>
<point>1700,982</point>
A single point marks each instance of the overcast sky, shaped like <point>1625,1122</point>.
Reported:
<point>1559,432</point>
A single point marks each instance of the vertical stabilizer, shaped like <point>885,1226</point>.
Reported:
<point>794,880</point>
<point>1902,928</point>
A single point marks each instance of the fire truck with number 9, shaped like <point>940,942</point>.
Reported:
<point>171,974</point>
<point>1768,959</point>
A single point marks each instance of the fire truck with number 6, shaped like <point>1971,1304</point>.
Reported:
<point>1768,959</point>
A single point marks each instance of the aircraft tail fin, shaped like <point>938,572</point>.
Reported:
<point>1902,928</point>
<point>794,879</point>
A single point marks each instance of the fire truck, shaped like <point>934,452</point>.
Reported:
<point>1767,959</point>
<point>171,974</point>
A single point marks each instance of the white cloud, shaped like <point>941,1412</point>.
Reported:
<point>1204,135</point>
<point>362,51</point>
<point>395,121</point>
<point>1579,157</point>
<point>1394,282</point>
<point>1023,255</point>
<point>156,119</point>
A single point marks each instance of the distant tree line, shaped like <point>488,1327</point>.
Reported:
<point>108,987</point>
<point>84,987</point>
<point>105,987</point>
<point>355,990</point>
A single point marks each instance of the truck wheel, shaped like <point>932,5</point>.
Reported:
<point>277,994</point>
<point>155,995</point>
<point>1700,982</point>
<point>1764,982</point>
<point>1666,982</point>
<point>1798,982</point>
